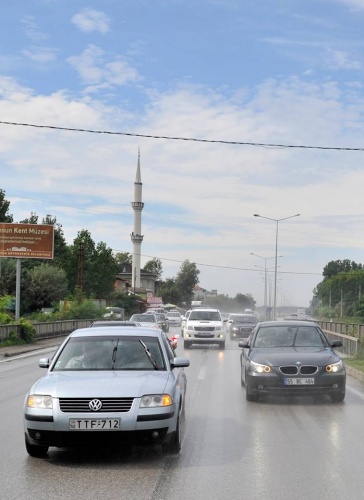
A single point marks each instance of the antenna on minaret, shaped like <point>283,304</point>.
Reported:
<point>136,237</point>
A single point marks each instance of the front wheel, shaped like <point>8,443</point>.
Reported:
<point>337,397</point>
<point>35,450</point>
<point>241,377</point>
<point>176,443</point>
<point>249,395</point>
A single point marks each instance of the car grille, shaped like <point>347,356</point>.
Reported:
<point>81,405</point>
<point>298,370</point>
<point>204,328</point>
<point>204,336</point>
<point>92,438</point>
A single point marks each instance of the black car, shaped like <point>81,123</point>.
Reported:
<point>291,358</point>
<point>241,325</point>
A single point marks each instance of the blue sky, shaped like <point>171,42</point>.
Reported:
<point>264,72</point>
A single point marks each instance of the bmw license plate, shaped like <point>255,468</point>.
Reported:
<point>94,424</point>
<point>299,381</point>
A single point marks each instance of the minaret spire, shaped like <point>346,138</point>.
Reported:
<point>136,237</point>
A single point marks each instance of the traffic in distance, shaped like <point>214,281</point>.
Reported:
<point>122,382</point>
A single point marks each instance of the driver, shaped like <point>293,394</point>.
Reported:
<point>92,357</point>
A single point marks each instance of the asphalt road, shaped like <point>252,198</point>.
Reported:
<point>232,449</point>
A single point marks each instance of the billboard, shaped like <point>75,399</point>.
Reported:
<point>27,241</point>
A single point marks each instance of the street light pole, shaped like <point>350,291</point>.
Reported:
<point>265,277</point>
<point>277,221</point>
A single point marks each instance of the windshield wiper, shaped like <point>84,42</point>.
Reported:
<point>149,355</point>
<point>114,351</point>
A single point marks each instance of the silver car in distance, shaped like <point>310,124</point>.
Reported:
<point>107,386</point>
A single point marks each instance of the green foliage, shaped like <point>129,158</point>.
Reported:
<point>45,286</point>
<point>186,280</point>
<point>154,266</point>
<point>83,310</point>
<point>13,339</point>
<point>27,331</point>
<point>169,292</point>
<point>123,258</point>
<point>4,208</point>
<point>127,301</point>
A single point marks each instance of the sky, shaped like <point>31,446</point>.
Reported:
<point>238,107</point>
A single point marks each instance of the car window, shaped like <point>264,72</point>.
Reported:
<point>298,336</point>
<point>205,316</point>
<point>109,353</point>
<point>150,318</point>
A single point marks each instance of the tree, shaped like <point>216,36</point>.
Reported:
<point>169,292</point>
<point>122,258</point>
<point>46,285</point>
<point>244,301</point>
<point>186,280</point>
<point>154,266</point>
<point>103,271</point>
<point>4,208</point>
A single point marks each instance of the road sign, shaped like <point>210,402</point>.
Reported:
<point>26,241</point>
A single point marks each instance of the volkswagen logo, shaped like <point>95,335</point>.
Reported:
<point>95,405</point>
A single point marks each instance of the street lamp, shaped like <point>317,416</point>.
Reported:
<point>276,256</point>
<point>265,277</point>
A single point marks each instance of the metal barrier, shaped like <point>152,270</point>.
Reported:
<point>350,345</point>
<point>46,330</point>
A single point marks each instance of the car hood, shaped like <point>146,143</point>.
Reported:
<point>278,356</point>
<point>102,384</point>
<point>201,322</point>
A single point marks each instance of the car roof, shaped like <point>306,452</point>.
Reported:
<point>287,323</point>
<point>113,323</point>
<point>117,331</point>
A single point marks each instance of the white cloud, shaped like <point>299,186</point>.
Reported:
<point>95,68</point>
<point>90,20</point>
<point>40,54</point>
<point>31,29</point>
<point>338,60</point>
<point>199,197</point>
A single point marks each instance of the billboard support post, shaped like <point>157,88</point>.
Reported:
<point>17,291</point>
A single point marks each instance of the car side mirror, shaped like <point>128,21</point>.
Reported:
<point>44,363</point>
<point>336,343</point>
<point>244,344</point>
<point>180,363</point>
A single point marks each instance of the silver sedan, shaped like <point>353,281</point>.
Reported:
<point>110,386</point>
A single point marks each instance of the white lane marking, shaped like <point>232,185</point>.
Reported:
<point>27,355</point>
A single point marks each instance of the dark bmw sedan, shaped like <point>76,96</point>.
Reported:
<point>291,358</point>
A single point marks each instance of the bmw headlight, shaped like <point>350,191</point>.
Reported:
<point>335,367</point>
<point>39,401</point>
<point>155,400</point>
<point>258,368</point>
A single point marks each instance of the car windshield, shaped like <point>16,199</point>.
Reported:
<point>144,318</point>
<point>289,336</point>
<point>244,319</point>
<point>110,353</point>
<point>173,315</point>
<point>205,316</point>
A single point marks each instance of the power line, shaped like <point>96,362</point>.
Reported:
<point>191,139</point>
<point>224,267</point>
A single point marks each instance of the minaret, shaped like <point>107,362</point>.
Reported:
<point>136,237</point>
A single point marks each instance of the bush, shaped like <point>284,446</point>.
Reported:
<point>27,331</point>
<point>13,339</point>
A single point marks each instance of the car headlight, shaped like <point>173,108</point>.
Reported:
<point>39,401</point>
<point>155,400</point>
<point>258,368</point>
<point>335,367</point>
